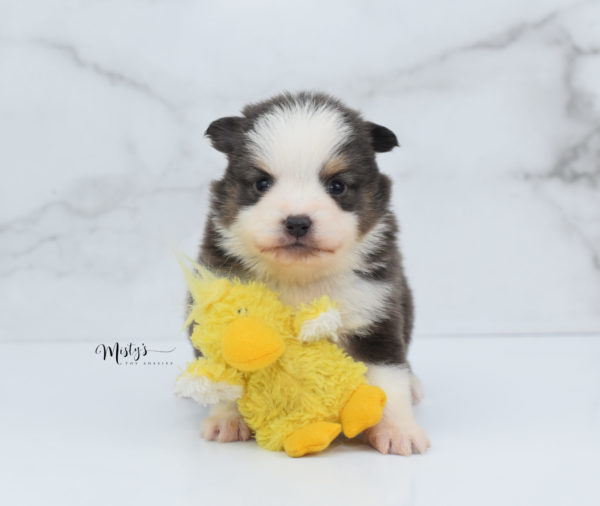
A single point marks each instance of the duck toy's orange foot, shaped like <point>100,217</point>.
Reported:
<point>363,410</point>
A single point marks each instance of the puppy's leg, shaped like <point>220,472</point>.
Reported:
<point>397,432</point>
<point>225,424</point>
<point>416,389</point>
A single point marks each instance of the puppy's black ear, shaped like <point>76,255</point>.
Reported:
<point>382,138</point>
<point>225,133</point>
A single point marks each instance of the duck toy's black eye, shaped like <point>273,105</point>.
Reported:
<point>242,310</point>
<point>336,187</point>
<point>263,184</point>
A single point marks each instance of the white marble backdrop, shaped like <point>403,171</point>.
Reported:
<point>104,168</point>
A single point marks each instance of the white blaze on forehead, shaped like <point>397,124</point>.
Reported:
<point>298,138</point>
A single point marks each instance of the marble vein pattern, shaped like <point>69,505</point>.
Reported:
<point>104,168</point>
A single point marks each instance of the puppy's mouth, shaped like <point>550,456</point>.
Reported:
<point>297,249</point>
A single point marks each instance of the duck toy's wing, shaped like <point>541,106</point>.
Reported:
<point>209,382</point>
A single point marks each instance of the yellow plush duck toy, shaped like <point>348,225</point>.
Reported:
<point>295,389</point>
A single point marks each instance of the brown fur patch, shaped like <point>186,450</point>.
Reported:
<point>260,164</point>
<point>333,166</point>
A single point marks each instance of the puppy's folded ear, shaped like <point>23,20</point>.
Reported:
<point>226,133</point>
<point>382,138</point>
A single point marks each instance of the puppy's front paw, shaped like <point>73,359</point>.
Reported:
<point>225,428</point>
<point>399,439</point>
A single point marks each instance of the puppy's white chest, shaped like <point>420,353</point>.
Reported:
<point>361,302</point>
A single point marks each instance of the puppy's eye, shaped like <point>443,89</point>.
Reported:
<point>336,187</point>
<point>264,183</point>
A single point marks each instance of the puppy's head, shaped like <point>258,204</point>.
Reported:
<point>302,191</point>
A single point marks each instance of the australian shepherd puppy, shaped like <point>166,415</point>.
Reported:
<point>303,207</point>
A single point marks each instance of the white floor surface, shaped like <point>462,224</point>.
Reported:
<point>513,421</point>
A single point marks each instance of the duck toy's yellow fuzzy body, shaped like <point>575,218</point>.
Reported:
<point>295,389</point>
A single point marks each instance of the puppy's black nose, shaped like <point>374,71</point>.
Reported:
<point>297,225</point>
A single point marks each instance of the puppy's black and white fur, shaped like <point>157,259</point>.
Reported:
<point>303,207</point>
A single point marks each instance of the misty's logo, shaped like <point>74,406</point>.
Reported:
<point>129,353</point>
